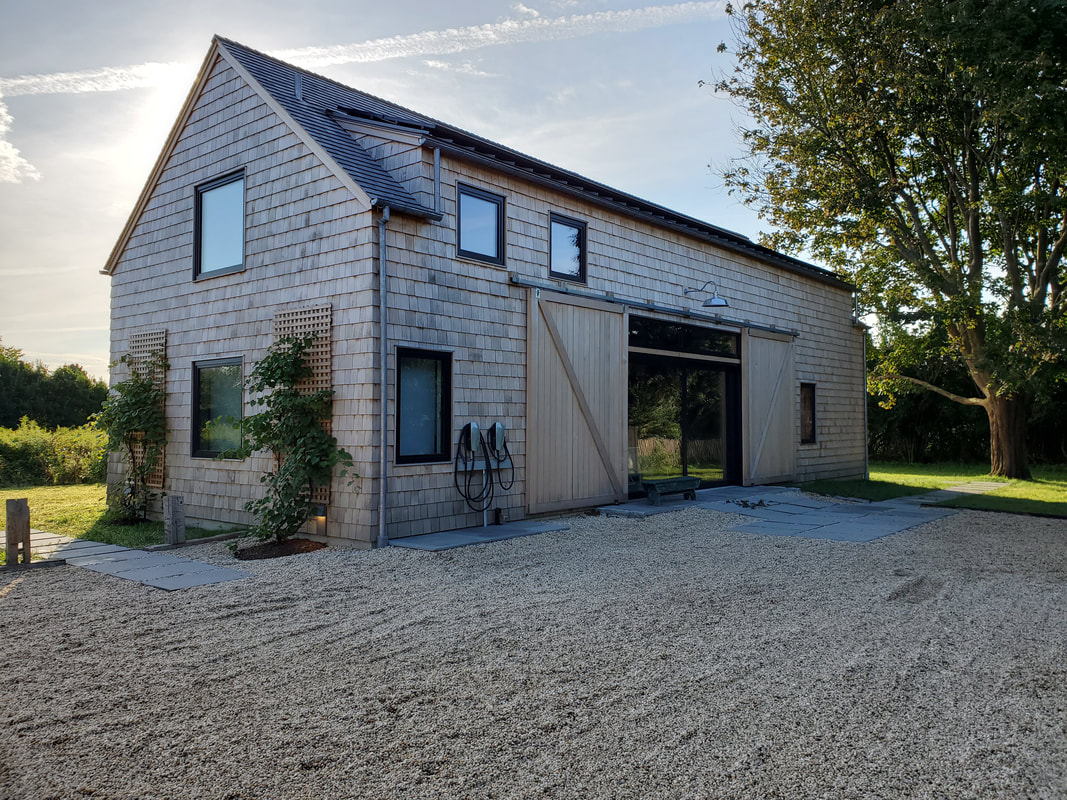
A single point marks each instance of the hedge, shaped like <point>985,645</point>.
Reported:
<point>34,456</point>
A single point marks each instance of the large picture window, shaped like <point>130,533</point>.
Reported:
<point>566,246</point>
<point>481,225</point>
<point>220,226</point>
<point>424,403</point>
<point>218,406</point>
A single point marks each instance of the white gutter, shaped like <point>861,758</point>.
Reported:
<point>383,380</point>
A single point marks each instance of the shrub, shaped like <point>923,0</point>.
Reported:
<point>135,424</point>
<point>290,428</point>
<point>33,456</point>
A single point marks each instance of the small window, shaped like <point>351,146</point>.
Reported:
<point>807,413</point>
<point>424,400</point>
<point>566,246</point>
<point>218,407</point>
<point>220,226</point>
<point>481,225</point>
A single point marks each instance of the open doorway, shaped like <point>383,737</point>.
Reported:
<point>683,412</point>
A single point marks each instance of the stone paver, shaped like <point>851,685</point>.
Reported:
<point>480,535</point>
<point>778,511</point>
<point>159,570</point>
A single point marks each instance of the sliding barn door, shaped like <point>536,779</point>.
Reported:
<point>576,403</point>
<point>770,408</point>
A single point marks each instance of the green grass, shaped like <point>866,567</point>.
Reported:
<point>81,511</point>
<point>1046,494</point>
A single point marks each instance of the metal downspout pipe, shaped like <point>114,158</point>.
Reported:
<point>383,380</point>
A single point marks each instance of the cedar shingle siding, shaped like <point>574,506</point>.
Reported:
<point>311,241</point>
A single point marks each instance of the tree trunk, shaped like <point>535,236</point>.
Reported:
<point>1007,436</point>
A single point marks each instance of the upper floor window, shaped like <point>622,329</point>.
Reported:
<point>566,246</point>
<point>481,225</point>
<point>220,226</point>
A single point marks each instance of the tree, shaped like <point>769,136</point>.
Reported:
<point>66,397</point>
<point>919,148</point>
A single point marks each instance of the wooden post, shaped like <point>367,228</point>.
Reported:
<point>18,531</point>
<point>174,519</point>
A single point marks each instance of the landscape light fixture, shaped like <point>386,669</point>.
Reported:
<point>711,302</point>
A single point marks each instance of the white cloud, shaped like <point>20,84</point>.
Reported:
<point>13,167</point>
<point>105,79</point>
<point>466,68</point>
<point>525,10</point>
<point>510,31</point>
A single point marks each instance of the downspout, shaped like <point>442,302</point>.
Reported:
<point>437,179</point>
<point>866,431</point>
<point>383,380</point>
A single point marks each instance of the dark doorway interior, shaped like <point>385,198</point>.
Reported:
<point>684,419</point>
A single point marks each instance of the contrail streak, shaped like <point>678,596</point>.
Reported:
<point>14,168</point>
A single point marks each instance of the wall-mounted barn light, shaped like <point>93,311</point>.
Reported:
<point>711,302</point>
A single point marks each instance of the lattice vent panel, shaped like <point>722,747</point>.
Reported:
<point>143,347</point>
<point>317,320</point>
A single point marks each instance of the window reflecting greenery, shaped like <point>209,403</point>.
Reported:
<point>219,408</point>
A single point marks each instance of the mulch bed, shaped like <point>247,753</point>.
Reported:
<point>290,547</point>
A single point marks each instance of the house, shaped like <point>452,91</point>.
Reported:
<point>615,340</point>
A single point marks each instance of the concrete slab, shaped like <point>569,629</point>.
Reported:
<point>480,535</point>
<point>844,532</point>
<point>145,574</point>
<point>192,579</point>
<point>775,528</point>
<point>104,558</point>
<point>82,549</point>
<point>121,567</point>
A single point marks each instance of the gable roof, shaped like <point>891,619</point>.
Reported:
<point>316,107</point>
<point>309,100</point>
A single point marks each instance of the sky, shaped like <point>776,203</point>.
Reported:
<point>605,88</point>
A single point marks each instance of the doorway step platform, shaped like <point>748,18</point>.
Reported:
<point>446,540</point>
<point>721,498</point>
<point>777,511</point>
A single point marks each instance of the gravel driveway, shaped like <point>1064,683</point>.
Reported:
<point>649,658</point>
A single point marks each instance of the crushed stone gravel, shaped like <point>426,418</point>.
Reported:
<point>657,658</point>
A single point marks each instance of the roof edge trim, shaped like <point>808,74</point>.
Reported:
<point>298,130</point>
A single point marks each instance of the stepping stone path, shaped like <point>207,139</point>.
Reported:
<point>159,570</point>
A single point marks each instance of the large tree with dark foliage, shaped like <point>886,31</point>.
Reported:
<point>920,148</point>
<point>65,398</point>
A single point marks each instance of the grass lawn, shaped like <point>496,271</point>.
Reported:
<point>1045,494</point>
<point>80,511</point>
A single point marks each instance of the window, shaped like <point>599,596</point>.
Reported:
<point>220,226</point>
<point>566,246</point>
<point>481,225</point>
<point>424,400</point>
<point>218,406</point>
<point>807,413</point>
<point>658,334</point>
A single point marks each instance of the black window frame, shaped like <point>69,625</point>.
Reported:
<point>194,439</point>
<point>200,191</point>
<point>501,220</point>
<point>443,454</point>
<point>808,437</point>
<point>582,228</point>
